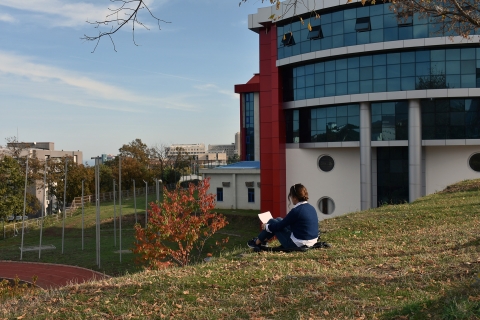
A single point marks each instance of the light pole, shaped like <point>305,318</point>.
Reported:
<point>83,210</point>
<point>64,200</point>
<point>43,208</point>
<point>24,205</point>
<point>146,202</point>
<point>97,205</point>
<point>120,200</point>
<point>114,215</point>
<point>135,201</point>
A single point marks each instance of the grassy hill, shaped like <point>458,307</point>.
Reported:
<point>410,261</point>
<point>241,224</point>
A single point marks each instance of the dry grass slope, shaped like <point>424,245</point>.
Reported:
<point>409,261</point>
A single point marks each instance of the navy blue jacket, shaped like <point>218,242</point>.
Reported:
<point>302,220</point>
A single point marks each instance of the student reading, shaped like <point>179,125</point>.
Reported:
<point>298,229</point>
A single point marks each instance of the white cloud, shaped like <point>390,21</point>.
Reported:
<point>214,87</point>
<point>68,87</point>
<point>65,13</point>
<point>7,18</point>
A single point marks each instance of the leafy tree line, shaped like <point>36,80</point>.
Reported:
<point>139,162</point>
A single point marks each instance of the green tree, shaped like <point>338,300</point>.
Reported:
<point>12,186</point>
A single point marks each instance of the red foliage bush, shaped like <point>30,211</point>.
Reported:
<point>182,222</point>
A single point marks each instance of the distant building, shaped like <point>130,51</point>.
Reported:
<point>238,149</point>
<point>42,151</point>
<point>237,185</point>
<point>46,150</point>
<point>229,149</point>
<point>107,157</point>
<point>186,149</point>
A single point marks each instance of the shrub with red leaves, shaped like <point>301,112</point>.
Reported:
<point>182,222</point>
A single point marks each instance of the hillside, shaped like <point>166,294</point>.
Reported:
<point>410,261</point>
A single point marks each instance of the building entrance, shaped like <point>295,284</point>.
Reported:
<point>392,175</point>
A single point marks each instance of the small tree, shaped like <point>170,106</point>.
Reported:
<point>184,221</point>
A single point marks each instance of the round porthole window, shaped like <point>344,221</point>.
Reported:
<point>326,205</point>
<point>326,163</point>
<point>474,162</point>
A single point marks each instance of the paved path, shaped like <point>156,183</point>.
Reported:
<point>49,275</point>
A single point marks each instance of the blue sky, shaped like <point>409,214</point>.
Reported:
<point>175,87</point>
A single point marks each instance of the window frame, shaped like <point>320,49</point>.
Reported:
<point>219,192</point>
<point>251,195</point>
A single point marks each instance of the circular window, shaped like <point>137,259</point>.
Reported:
<point>474,162</point>
<point>326,163</point>
<point>326,205</point>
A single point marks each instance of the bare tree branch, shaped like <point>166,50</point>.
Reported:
<point>126,11</point>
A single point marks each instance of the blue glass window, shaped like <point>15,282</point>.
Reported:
<point>409,70</point>
<point>219,194</point>
<point>251,195</point>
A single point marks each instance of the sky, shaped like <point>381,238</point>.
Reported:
<point>175,86</point>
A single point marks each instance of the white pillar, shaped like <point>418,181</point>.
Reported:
<point>365,156</point>
<point>414,150</point>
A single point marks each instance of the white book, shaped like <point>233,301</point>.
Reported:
<point>265,216</point>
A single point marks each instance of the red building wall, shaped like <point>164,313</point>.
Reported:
<point>272,125</point>
<point>272,128</point>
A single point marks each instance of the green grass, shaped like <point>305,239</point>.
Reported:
<point>241,224</point>
<point>409,261</point>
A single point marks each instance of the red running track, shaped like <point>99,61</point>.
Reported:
<point>49,275</point>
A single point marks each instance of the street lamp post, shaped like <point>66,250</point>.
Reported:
<point>114,215</point>
<point>43,208</point>
<point>120,201</point>
<point>64,204</point>
<point>24,206</point>
<point>97,205</point>
<point>135,201</point>
<point>146,202</point>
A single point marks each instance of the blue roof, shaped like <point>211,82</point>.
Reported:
<point>242,165</point>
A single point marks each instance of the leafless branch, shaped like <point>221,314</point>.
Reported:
<point>119,17</point>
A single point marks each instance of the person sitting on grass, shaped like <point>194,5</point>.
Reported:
<point>298,229</point>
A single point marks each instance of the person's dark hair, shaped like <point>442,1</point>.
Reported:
<point>298,191</point>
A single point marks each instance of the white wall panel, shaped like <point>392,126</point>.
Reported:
<point>342,184</point>
<point>445,165</point>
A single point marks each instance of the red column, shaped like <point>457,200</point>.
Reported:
<point>272,128</point>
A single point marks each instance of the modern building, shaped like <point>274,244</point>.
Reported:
<point>362,108</point>
<point>42,151</point>
<point>46,150</point>
<point>238,149</point>
<point>186,149</point>
<point>228,149</point>
<point>107,157</point>
<point>237,185</point>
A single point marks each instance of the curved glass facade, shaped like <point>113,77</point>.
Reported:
<point>351,25</point>
<point>450,119</point>
<point>395,71</point>
<point>441,119</point>
<point>323,124</point>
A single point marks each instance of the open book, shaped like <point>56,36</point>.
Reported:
<point>265,216</point>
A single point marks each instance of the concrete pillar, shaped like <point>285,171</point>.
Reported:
<point>414,149</point>
<point>365,156</point>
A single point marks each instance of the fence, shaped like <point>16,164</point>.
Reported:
<point>13,229</point>
<point>108,196</point>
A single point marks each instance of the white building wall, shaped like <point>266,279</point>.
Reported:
<point>236,195</point>
<point>445,165</point>
<point>242,191</point>
<point>228,192</point>
<point>342,184</point>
